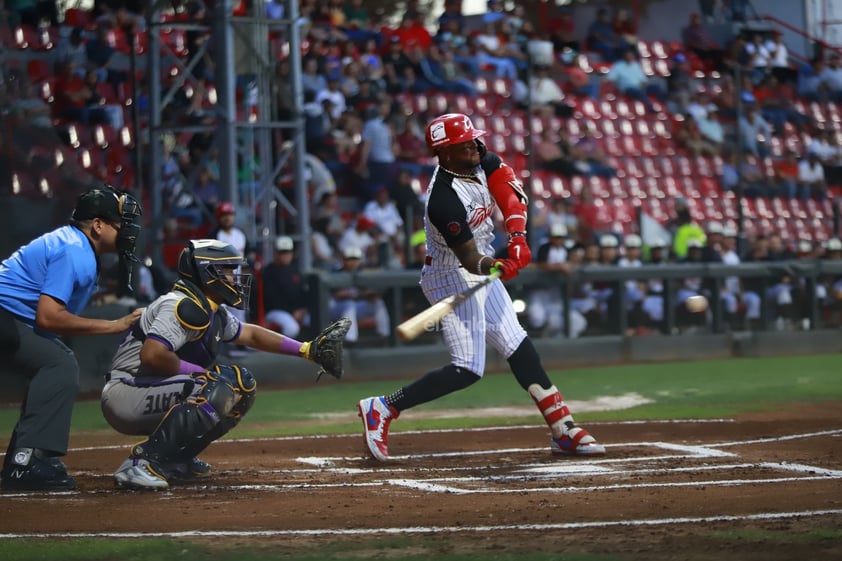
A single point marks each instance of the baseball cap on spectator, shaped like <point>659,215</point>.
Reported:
<point>694,243</point>
<point>608,240</point>
<point>225,208</point>
<point>658,243</point>
<point>558,231</point>
<point>834,244</point>
<point>364,223</point>
<point>283,243</point>
<point>352,252</point>
<point>729,232</point>
<point>805,246</point>
<point>633,240</point>
<point>715,228</point>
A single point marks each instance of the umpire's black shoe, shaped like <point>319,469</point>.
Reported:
<point>29,470</point>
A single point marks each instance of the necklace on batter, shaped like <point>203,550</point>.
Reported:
<point>460,175</point>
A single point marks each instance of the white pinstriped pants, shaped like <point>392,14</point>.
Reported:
<point>487,316</point>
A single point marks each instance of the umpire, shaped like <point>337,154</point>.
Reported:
<point>44,285</point>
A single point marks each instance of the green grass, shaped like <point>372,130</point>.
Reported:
<point>678,390</point>
<point>405,548</point>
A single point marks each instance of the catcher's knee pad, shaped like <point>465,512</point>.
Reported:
<point>243,385</point>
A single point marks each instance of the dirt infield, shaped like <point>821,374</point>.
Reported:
<point>665,490</point>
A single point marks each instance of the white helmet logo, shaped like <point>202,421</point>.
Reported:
<point>438,132</point>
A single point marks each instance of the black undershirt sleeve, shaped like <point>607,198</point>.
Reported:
<point>448,215</point>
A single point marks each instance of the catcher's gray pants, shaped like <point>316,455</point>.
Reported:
<point>137,405</point>
<point>53,374</point>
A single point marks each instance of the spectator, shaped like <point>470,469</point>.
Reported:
<point>361,235</point>
<point>697,40</point>
<point>562,31</point>
<point>102,58</point>
<point>760,58</point>
<point>602,39</point>
<point>382,211</point>
<point>831,78</point>
<point>754,132</point>
<point>555,154</point>
<point>491,51</point>
<point>413,154</point>
<point>711,128</point>
<point>377,159</point>
<point>624,27</point>
<point>285,291</point>
<point>72,49</point>
<point>311,80</point>
<point>71,96</point>
<point>333,94</point>
<point>786,174</point>
<point>628,76</point>
<point>781,69</point>
<point>748,175</point>
<point>810,81</point>
<point>545,96</point>
<point>686,231</point>
<point>407,201</point>
<point>358,304</point>
<point>546,305</point>
<point>811,179</point>
<point>207,189</point>
<point>691,138</point>
<point>588,150</point>
<point>322,244</point>
<point>776,107</point>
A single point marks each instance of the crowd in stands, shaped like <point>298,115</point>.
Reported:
<point>611,113</point>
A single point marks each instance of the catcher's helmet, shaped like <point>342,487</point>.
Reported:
<point>216,267</point>
<point>451,128</point>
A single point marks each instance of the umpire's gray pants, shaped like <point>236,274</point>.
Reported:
<point>53,375</point>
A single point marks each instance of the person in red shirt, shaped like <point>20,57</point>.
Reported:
<point>71,96</point>
<point>786,174</point>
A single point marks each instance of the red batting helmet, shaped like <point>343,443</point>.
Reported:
<point>451,128</point>
<point>225,208</point>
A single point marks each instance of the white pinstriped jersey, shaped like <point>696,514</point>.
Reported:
<point>458,209</point>
<point>445,221</point>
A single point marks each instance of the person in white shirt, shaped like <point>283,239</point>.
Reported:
<point>333,94</point>
<point>382,211</point>
<point>831,78</point>
<point>811,181</point>
<point>359,236</point>
<point>780,59</point>
<point>227,232</point>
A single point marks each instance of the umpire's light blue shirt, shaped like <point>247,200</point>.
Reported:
<point>61,264</point>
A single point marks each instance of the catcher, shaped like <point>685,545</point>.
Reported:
<point>164,380</point>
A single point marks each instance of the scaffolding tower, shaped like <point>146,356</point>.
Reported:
<point>250,140</point>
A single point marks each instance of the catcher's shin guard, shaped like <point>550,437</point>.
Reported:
<point>189,427</point>
<point>244,385</point>
<point>568,438</point>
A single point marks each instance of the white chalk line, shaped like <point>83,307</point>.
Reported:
<point>433,529</point>
<point>296,438</point>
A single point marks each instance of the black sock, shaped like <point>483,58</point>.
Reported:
<point>526,366</point>
<point>432,385</point>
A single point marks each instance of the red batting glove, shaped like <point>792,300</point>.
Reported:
<point>519,249</point>
<point>508,268</point>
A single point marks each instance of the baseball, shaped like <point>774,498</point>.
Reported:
<point>697,303</point>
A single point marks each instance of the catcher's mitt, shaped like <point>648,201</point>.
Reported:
<point>326,349</point>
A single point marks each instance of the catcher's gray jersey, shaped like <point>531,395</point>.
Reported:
<point>160,321</point>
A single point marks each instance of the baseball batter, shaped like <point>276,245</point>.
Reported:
<point>164,380</point>
<point>466,188</point>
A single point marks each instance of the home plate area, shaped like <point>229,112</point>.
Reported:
<point>679,479</point>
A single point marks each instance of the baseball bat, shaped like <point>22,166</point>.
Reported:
<point>426,320</point>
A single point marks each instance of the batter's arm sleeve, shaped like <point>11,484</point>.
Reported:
<point>507,191</point>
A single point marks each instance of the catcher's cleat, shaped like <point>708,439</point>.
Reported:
<point>576,441</point>
<point>27,469</point>
<point>377,415</point>
<point>138,473</point>
<point>192,468</point>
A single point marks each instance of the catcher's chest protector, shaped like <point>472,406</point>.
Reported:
<point>194,312</point>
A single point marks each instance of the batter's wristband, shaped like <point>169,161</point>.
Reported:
<point>479,263</point>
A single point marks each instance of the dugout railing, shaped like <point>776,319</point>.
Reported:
<point>403,297</point>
